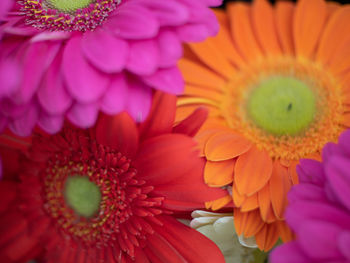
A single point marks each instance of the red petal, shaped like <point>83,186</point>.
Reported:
<point>171,164</point>
<point>118,132</point>
<point>191,244</point>
<point>162,115</point>
<point>192,123</point>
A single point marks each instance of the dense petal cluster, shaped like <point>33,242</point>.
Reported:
<point>66,59</point>
<point>319,209</point>
<point>131,188</point>
<point>276,82</point>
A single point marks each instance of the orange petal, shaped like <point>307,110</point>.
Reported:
<point>252,171</point>
<point>183,111</point>
<point>225,44</point>
<point>250,203</point>
<point>334,44</point>
<point>264,201</point>
<point>247,223</point>
<point>217,174</point>
<point>196,74</point>
<point>226,145</point>
<point>267,237</point>
<point>263,21</point>
<point>292,172</point>
<point>219,203</point>
<point>332,7</point>
<point>284,231</point>
<point>242,31</point>
<point>345,119</point>
<point>284,23</point>
<point>209,53</point>
<point>202,92</point>
<point>309,20</point>
<point>237,198</point>
<point>279,187</point>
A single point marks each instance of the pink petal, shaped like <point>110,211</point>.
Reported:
<point>338,174</point>
<point>50,124</point>
<point>344,142</point>
<point>56,35</point>
<point>106,52</point>
<point>10,76</point>
<point>344,244</point>
<point>133,22</point>
<point>114,101</point>
<point>168,80</point>
<point>12,110</point>
<point>3,123</point>
<point>318,239</point>
<point>288,253</point>
<point>139,102</point>
<point>192,32</point>
<point>170,48</point>
<point>38,58</point>
<point>143,57</point>
<point>24,125</point>
<point>85,83</point>
<point>168,13</point>
<point>52,93</point>
<point>83,115</point>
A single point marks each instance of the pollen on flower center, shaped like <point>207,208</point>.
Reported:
<point>82,196</point>
<point>69,5</point>
<point>67,15</point>
<point>282,105</point>
<point>287,107</point>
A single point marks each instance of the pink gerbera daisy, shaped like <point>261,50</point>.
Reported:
<point>63,58</point>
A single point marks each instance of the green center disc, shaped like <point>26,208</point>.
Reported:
<point>82,195</point>
<point>69,5</point>
<point>282,105</point>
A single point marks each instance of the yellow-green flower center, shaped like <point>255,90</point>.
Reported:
<point>282,105</point>
<point>69,5</point>
<point>82,195</point>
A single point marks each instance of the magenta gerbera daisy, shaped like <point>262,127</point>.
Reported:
<point>64,58</point>
<point>319,210</point>
<point>111,193</point>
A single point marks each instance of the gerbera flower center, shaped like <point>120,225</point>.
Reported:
<point>67,15</point>
<point>69,5</point>
<point>282,105</point>
<point>288,107</point>
<point>83,196</point>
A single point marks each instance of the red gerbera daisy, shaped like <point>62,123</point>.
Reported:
<point>107,194</point>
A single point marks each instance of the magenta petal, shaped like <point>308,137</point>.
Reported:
<point>52,93</point>
<point>169,80</point>
<point>143,57</point>
<point>344,244</point>
<point>338,174</point>
<point>50,124</point>
<point>344,142</point>
<point>9,77</point>
<point>306,192</point>
<point>329,150</point>
<point>56,35</point>
<point>83,115</point>
<point>114,101</point>
<point>170,48</point>
<point>24,125</point>
<point>192,32</point>
<point>38,58</point>
<point>3,123</point>
<point>133,22</point>
<point>311,171</point>
<point>85,83</point>
<point>112,57</point>
<point>5,6</point>
<point>318,239</point>
<point>168,13</point>
<point>12,110</point>
<point>139,102</point>
<point>288,253</point>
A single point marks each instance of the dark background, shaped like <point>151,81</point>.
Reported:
<point>339,1</point>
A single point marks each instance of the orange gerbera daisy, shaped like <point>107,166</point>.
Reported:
<point>276,80</point>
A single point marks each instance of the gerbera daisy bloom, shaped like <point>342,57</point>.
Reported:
<point>107,194</point>
<point>74,58</point>
<point>276,81</point>
<point>319,209</point>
